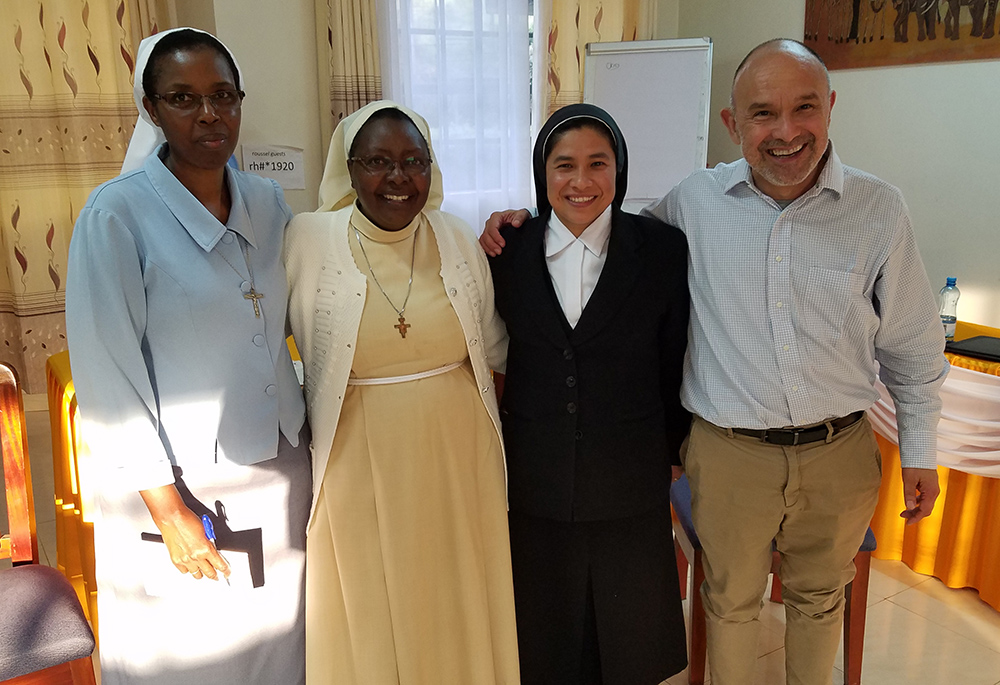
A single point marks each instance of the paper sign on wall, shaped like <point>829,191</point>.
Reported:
<point>283,164</point>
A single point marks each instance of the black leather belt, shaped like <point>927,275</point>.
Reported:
<point>804,435</point>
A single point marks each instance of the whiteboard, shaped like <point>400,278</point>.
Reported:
<point>658,91</point>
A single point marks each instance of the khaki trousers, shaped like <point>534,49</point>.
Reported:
<point>815,501</point>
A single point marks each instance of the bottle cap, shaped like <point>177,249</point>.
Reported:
<point>951,281</point>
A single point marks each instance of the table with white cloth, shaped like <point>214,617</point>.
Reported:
<point>959,543</point>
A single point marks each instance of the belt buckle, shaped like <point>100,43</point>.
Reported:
<point>771,437</point>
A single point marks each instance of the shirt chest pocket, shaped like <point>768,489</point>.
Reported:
<point>833,299</point>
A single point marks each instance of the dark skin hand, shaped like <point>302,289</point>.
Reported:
<point>190,551</point>
<point>490,240</point>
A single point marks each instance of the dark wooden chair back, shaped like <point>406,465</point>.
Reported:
<point>44,634</point>
<point>19,544</point>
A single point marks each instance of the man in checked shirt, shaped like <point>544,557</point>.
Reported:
<point>805,278</point>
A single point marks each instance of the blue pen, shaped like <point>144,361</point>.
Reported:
<point>206,523</point>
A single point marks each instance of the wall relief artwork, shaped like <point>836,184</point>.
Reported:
<point>850,34</point>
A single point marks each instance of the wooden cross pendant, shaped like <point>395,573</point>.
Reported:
<point>254,296</point>
<point>402,326</point>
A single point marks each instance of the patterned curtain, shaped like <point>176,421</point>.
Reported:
<point>66,115</point>
<point>574,23</point>
<point>349,72</point>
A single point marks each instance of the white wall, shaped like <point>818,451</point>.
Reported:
<point>199,14</point>
<point>930,129</point>
<point>276,48</point>
<point>667,16</point>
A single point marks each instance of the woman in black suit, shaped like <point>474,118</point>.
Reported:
<point>596,304</point>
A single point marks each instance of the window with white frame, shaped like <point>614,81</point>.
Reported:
<point>464,66</point>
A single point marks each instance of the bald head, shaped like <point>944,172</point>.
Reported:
<point>778,46</point>
<point>779,115</point>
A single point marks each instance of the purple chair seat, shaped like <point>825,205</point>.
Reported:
<point>41,621</point>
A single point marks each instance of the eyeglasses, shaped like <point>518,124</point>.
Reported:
<point>411,166</point>
<point>228,100</point>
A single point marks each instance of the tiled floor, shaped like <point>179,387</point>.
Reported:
<point>919,632</point>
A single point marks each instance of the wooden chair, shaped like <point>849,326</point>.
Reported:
<point>44,635</point>
<point>687,548</point>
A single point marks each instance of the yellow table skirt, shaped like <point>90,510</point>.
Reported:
<point>959,543</point>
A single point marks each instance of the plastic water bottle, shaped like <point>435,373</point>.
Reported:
<point>949,308</point>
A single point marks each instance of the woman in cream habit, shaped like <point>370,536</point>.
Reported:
<point>408,562</point>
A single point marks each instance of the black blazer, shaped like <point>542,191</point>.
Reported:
<point>591,416</point>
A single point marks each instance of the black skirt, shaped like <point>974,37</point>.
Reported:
<point>597,602</point>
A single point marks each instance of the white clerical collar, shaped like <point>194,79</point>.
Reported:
<point>594,237</point>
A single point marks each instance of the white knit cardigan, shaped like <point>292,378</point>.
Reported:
<point>327,295</point>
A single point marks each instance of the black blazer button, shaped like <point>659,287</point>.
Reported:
<point>578,435</point>
<point>570,381</point>
<point>568,353</point>
<point>571,407</point>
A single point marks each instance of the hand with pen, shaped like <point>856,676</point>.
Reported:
<point>184,534</point>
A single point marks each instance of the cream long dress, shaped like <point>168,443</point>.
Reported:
<point>408,555</point>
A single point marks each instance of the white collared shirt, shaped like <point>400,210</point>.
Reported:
<point>575,264</point>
